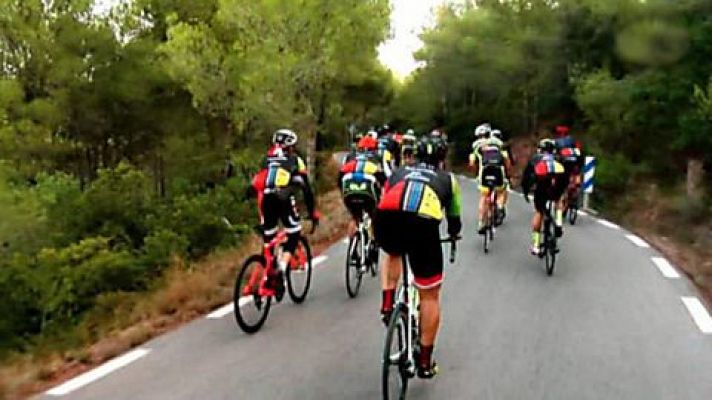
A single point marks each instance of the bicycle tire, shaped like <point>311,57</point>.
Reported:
<point>296,294</point>
<point>550,251</point>
<point>573,215</point>
<point>261,303</point>
<point>353,268</point>
<point>374,260</point>
<point>397,328</point>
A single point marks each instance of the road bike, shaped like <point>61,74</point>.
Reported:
<point>361,256</point>
<point>573,203</point>
<point>252,298</point>
<point>403,334</point>
<point>491,212</point>
<point>549,247</point>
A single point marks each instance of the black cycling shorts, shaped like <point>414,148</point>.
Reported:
<point>357,203</point>
<point>547,189</point>
<point>399,233</point>
<point>276,207</point>
<point>492,176</point>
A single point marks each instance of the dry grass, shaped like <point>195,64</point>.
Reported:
<point>128,320</point>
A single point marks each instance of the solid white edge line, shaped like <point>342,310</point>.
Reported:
<point>637,241</point>
<point>582,212</point>
<point>98,373</point>
<point>608,224</point>
<point>665,268</point>
<point>319,259</point>
<point>699,313</point>
<point>345,241</point>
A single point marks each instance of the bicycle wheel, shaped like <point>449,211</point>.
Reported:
<point>550,251</point>
<point>395,357</point>
<point>299,273</point>
<point>373,260</point>
<point>353,266</point>
<point>573,214</point>
<point>251,309</point>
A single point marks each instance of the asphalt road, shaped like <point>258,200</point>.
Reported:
<point>607,325</point>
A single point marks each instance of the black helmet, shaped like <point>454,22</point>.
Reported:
<point>546,146</point>
<point>426,151</point>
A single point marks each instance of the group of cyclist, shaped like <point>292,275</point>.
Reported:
<point>400,181</point>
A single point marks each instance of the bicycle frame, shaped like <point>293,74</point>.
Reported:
<point>406,292</point>
<point>269,254</point>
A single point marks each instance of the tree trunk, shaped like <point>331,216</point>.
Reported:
<point>695,176</point>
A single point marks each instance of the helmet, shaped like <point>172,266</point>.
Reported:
<point>436,133</point>
<point>372,134</point>
<point>284,138</point>
<point>547,146</point>
<point>562,130</point>
<point>410,132</point>
<point>367,143</point>
<point>426,151</point>
<point>483,130</point>
<point>496,133</point>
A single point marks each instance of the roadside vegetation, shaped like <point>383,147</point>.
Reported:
<point>127,137</point>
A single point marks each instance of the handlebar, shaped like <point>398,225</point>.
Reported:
<point>453,246</point>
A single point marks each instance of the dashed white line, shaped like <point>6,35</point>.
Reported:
<point>699,313</point>
<point>637,241</point>
<point>222,311</point>
<point>665,268</point>
<point>98,373</point>
<point>319,259</point>
<point>608,224</point>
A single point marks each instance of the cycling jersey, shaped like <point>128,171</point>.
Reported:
<point>488,156</point>
<point>568,152</point>
<point>424,191</point>
<point>389,152</point>
<point>361,174</point>
<point>548,175</point>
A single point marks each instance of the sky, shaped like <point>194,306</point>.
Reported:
<point>408,19</point>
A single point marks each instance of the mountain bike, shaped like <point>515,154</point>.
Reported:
<point>403,334</point>
<point>491,212</point>
<point>549,247</point>
<point>252,298</point>
<point>361,256</point>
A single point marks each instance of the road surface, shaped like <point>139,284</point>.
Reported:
<point>610,324</point>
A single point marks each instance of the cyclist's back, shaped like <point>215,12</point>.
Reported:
<point>361,178</point>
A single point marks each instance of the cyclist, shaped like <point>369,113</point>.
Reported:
<point>507,152</point>
<point>569,154</point>
<point>282,171</point>
<point>408,143</point>
<point>387,151</point>
<point>549,178</point>
<point>491,166</point>
<point>361,179</point>
<point>407,224</point>
<point>440,140</point>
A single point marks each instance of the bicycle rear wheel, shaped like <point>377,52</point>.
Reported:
<point>395,357</point>
<point>299,272</point>
<point>251,309</point>
<point>353,265</point>
<point>550,251</point>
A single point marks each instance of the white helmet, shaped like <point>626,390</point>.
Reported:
<point>284,138</point>
<point>372,133</point>
<point>483,130</point>
<point>496,133</point>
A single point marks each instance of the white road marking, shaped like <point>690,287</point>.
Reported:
<point>665,268</point>
<point>638,241</point>
<point>699,313</point>
<point>608,224</point>
<point>319,259</point>
<point>98,373</point>
<point>223,311</point>
<point>345,241</point>
<point>582,212</point>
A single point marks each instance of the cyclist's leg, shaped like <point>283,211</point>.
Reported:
<point>290,220</point>
<point>426,261</point>
<point>389,231</point>
<point>482,210</point>
<point>539,210</point>
<point>559,195</point>
<point>269,217</point>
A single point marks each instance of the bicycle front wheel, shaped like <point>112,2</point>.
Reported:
<point>251,308</point>
<point>353,266</point>
<point>299,273</point>
<point>550,254</point>
<point>395,357</point>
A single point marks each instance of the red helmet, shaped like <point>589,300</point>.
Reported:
<point>367,143</point>
<point>562,130</point>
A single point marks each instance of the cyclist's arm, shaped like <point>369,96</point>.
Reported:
<point>454,223</point>
<point>528,178</point>
<point>301,178</point>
